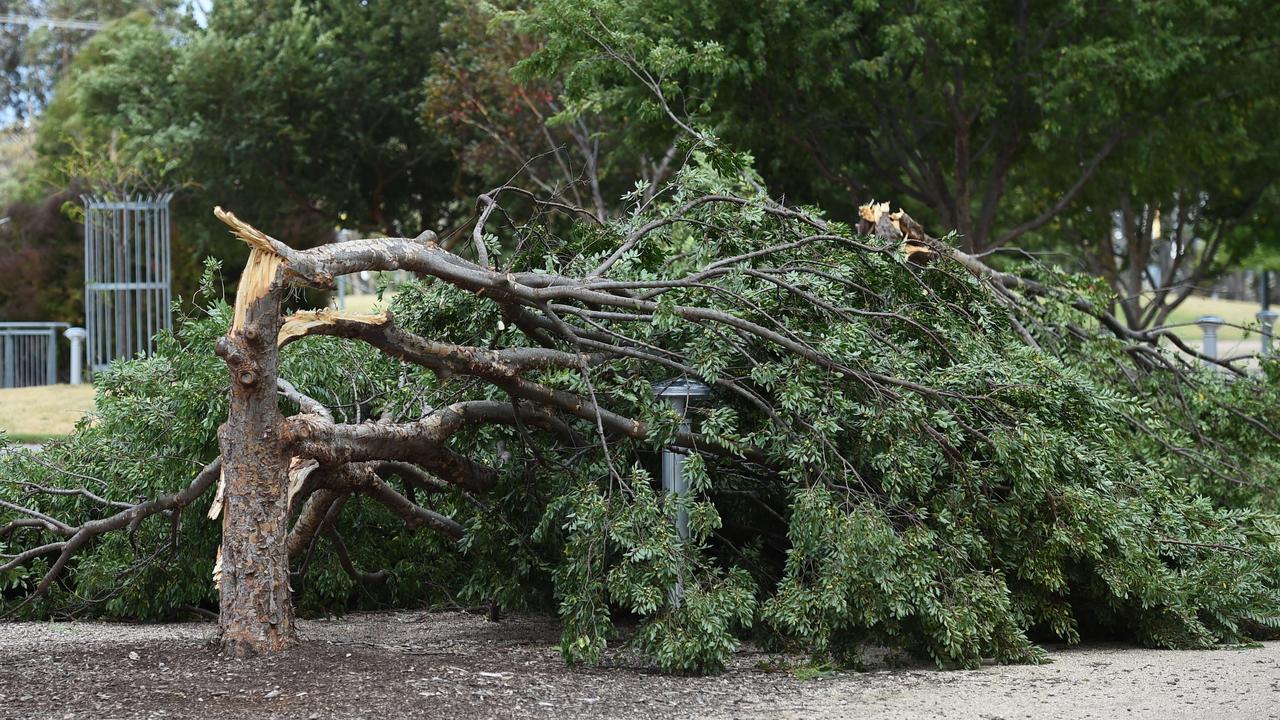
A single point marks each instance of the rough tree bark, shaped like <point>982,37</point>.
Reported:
<point>256,608</point>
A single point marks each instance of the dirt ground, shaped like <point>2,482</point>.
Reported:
<point>457,666</point>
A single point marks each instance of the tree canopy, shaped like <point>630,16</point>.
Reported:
<point>992,120</point>
<point>306,112</point>
<point>1029,125</point>
<point>36,54</point>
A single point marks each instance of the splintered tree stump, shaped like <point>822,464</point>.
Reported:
<point>256,607</point>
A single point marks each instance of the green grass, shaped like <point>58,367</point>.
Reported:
<point>812,671</point>
<point>37,414</point>
<point>365,303</point>
<point>1233,311</point>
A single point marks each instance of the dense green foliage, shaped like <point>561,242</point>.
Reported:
<point>1029,493</point>
<point>989,119</point>
<point>304,114</point>
<point>154,427</point>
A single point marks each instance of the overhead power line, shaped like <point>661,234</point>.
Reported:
<point>33,21</point>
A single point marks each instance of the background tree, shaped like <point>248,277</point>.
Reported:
<point>336,142</point>
<point>505,130</point>
<point>1173,214</point>
<point>974,120</point>
<point>35,55</point>
<point>989,119</point>
<point>41,261</point>
<point>337,139</point>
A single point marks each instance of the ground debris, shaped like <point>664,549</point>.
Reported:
<point>457,665</point>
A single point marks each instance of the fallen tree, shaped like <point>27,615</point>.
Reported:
<point>903,445</point>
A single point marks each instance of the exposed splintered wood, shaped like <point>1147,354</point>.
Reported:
<point>260,272</point>
<point>215,508</point>
<point>251,236</point>
<point>299,470</point>
<point>255,282</point>
<point>303,323</point>
<point>875,219</point>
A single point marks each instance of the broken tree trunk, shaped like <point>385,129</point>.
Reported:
<point>256,608</point>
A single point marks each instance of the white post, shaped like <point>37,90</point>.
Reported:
<point>679,393</point>
<point>10,356</point>
<point>1267,318</point>
<point>1209,324</point>
<point>77,337</point>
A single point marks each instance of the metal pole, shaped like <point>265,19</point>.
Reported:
<point>149,276</point>
<point>90,295</point>
<point>51,362</point>
<point>77,336</point>
<point>1209,324</point>
<point>678,392</point>
<point>8,360</point>
<point>1267,319</point>
<point>167,251</point>
<point>673,479</point>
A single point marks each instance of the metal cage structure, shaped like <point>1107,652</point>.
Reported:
<point>128,269</point>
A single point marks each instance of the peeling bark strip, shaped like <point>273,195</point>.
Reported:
<point>256,607</point>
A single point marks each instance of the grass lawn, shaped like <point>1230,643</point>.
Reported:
<point>34,414</point>
<point>1233,311</point>
<point>365,303</point>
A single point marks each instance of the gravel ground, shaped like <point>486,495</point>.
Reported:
<point>457,666</point>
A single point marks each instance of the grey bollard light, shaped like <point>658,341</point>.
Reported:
<point>77,337</point>
<point>679,392</point>
<point>1267,319</point>
<point>1209,324</point>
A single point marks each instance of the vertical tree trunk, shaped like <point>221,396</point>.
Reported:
<point>256,608</point>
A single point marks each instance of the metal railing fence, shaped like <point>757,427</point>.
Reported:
<point>29,353</point>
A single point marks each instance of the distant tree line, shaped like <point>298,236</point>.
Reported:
<point>1130,140</point>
